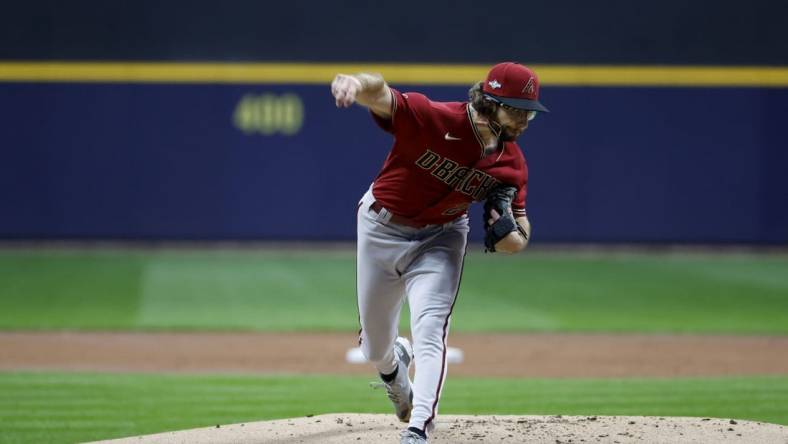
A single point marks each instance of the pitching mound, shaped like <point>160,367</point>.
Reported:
<point>458,429</point>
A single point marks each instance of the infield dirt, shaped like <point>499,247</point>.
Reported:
<point>486,355</point>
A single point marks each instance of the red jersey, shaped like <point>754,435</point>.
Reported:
<point>437,166</point>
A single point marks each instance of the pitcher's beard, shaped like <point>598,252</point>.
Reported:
<point>507,136</point>
<point>504,134</point>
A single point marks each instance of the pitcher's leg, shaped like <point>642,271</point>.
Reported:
<point>379,303</point>
<point>432,283</point>
<point>380,290</point>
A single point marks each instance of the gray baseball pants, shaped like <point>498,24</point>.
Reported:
<point>424,265</point>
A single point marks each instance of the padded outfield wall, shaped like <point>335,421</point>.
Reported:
<point>190,121</point>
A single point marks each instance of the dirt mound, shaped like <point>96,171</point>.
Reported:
<point>458,429</point>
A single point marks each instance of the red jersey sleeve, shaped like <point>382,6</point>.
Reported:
<point>408,111</point>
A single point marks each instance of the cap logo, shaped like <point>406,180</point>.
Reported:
<point>529,87</point>
<point>494,84</point>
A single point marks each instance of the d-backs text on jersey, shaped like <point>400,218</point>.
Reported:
<point>469,181</point>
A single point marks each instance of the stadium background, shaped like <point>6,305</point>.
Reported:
<point>146,122</point>
<point>211,150</point>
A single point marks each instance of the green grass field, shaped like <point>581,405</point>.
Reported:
<point>60,408</point>
<point>315,290</point>
<point>302,290</point>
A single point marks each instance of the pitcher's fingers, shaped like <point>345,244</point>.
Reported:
<point>341,97</point>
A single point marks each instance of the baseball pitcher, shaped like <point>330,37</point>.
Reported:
<point>413,220</point>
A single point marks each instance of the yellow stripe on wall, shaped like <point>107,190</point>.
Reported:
<point>425,74</point>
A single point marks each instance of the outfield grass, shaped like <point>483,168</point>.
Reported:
<point>303,290</point>
<point>71,407</point>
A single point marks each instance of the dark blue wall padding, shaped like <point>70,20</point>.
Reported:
<point>120,161</point>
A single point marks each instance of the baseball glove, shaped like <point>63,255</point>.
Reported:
<point>499,199</point>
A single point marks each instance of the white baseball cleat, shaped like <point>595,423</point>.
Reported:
<point>399,390</point>
<point>411,437</point>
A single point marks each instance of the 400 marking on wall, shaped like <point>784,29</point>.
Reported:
<point>269,114</point>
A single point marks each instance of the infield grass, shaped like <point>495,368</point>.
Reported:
<point>315,290</point>
<point>76,407</point>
